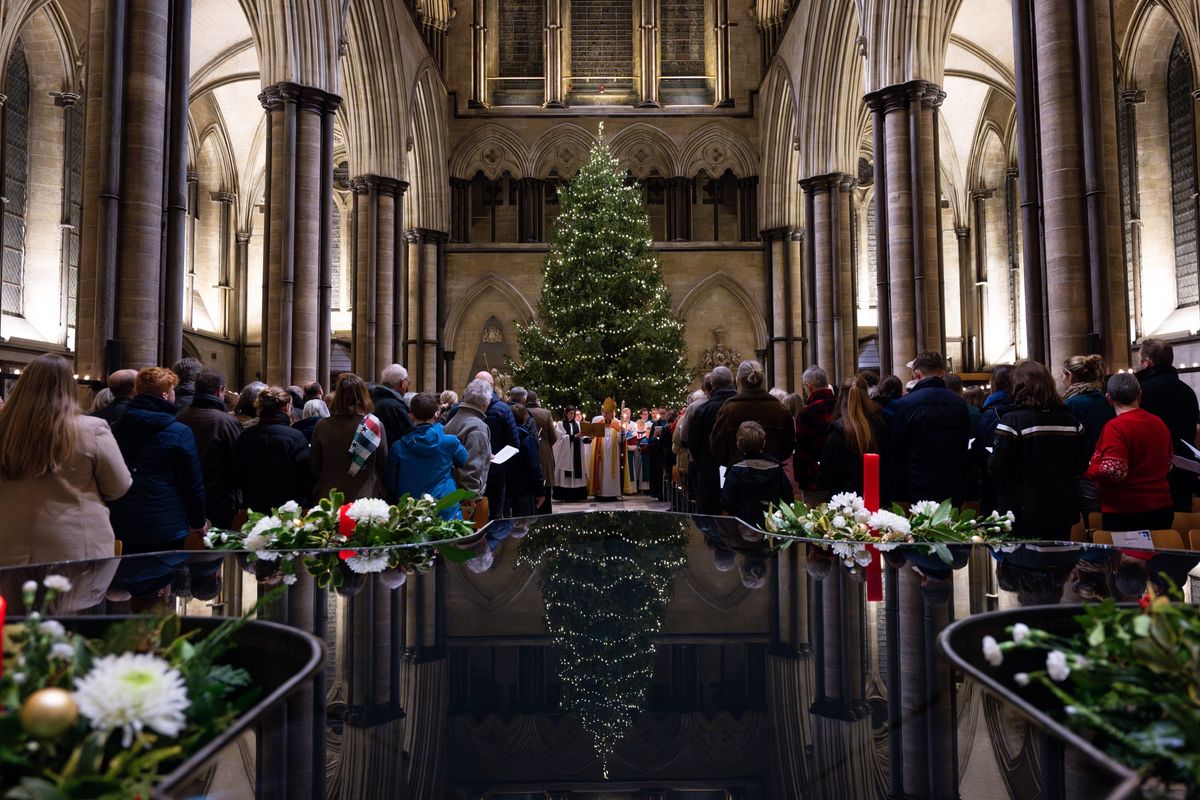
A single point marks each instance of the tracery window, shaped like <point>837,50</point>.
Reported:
<point>601,52</point>
<point>520,70</point>
<point>16,182</point>
<point>686,77</point>
<point>1183,172</point>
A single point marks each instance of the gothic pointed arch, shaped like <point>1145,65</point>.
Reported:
<point>560,150</point>
<point>427,197</point>
<point>643,148</point>
<point>779,192</point>
<point>721,280</point>
<point>716,147</point>
<point>491,282</point>
<point>491,149</point>
<point>375,109</point>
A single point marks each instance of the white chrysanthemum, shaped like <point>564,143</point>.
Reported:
<point>368,561</point>
<point>1020,632</point>
<point>991,651</point>
<point>263,525</point>
<point>1056,666</point>
<point>62,651</point>
<point>885,547</point>
<point>131,692</point>
<point>838,522</point>
<point>887,521</point>
<point>53,628</point>
<point>847,500</point>
<point>257,542</point>
<point>427,497</point>
<point>58,583</point>
<point>1021,679</point>
<point>290,578</point>
<point>214,537</point>
<point>267,555</point>
<point>862,515</point>
<point>926,507</point>
<point>29,587</point>
<point>843,550</point>
<point>290,507</point>
<point>369,510</point>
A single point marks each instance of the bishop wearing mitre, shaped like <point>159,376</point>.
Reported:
<point>608,481</point>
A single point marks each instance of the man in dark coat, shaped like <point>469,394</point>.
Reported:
<point>1170,399</point>
<point>216,431</point>
<point>812,430</point>
<point>166,501</point>
<point>186,369</point>
<point>120,383</point>
<point>388,397</point>
<point>929,428</point>
<point>699,431</point>
<point>273,457</point>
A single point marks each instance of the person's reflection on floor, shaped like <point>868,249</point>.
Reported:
<point>1137,571</point>
<point>753,569</point>
<point>488,548</point>
<point>89,583</point>
<point>1036,574</point>
<point>724,559</point>
<point>1088,581</point>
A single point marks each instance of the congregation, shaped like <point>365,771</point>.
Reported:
<point>165,454</point>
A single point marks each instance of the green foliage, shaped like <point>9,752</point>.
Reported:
<point>605,325</point>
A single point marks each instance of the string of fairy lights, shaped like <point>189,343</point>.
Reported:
<point>605,324</point>
<point>606,583</point>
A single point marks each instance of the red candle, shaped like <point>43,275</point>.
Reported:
<point>871,481</point>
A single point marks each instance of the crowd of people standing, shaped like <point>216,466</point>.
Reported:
<point>166,453</point>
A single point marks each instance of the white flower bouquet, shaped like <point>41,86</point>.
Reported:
<point>102,717</point>
<point>337,540</point>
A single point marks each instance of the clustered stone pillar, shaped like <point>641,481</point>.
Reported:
<point>905,119</point>
<point>530,209</point>
<point>1132,98</point>
<point>966,290</point>
<point>679,209</point>
<point>225,280</point>
<point>478,56</point>
<point>785,311</point>
<point>424,276</point>
<point>648,30</point>
<point>554,55</point>
<point>297,273</point>
<point>460,210</point>
<point>378,250</point>
<point>829,273</point>
<point>1066,115</point>
<point>724,85</point>
<point>132,265</point>
<point>747,204</point>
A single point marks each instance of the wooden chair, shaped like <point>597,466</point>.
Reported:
<point>1194,540</point>
<point>1185,521</point>
<point>1196,504</point>
<point>1079,531</point>
<point>1162,540</point>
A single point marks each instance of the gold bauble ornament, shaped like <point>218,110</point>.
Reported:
<point>48,712</point>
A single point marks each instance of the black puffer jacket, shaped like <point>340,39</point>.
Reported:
<point>1170,399</point>
<point>1036,456</point>
<point>392,412</point>
<point>704,463</point>
<point>930,428</point>
<point>272,464</point>
<point>751,485</point>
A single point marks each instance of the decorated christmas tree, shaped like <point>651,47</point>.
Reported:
<point>606,583</point>
<point>605,325</point>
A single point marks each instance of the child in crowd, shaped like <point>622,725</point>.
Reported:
<point>755,481</point>
<point>422,462</point>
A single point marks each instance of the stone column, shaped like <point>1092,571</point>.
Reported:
<point>748,209</point>
<point>297,247</point>
<point>1132,99</point>
<point>460,210</point>
<point>424,305</point>
<point>979,209</point>
<point>554,55</point>
<point>69,103</point>
<point>723,97</point>
<point>241,295</point>
<point>478,56</point>
<point>530,207</point>
<point>376,265</point>
<point>1067,126</point>
<point>225,284</point>
<point>906,131</point>
<point>966,292</point>
<point>829,201</point>
<point>648,30</point>
<point>785,318</point>
<point>679,209</point>
<point>133,179</point>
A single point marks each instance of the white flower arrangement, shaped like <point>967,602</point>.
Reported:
<point>367,562</point>
<point>132,692</point>
<point>369,510</point>
<point>57,583</point>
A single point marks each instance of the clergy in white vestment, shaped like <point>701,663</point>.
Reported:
<point>607,478</point>
<point>570,459</point>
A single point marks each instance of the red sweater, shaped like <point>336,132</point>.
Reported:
<point>1131,463</point>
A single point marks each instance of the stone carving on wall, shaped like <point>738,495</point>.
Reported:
<point>720,354</point>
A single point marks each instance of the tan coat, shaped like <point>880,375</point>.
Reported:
<point>62,517</point>
<point>330,460</point>
<point>547,436</point>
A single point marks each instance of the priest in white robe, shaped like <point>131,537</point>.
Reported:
<point>571,453</point>
<point>608,479</point>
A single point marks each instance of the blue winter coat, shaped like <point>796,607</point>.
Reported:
<point>422,462</point>
<point>167,496</point>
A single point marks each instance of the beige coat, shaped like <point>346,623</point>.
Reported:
<point>62,517</point>
<point>547,436</point>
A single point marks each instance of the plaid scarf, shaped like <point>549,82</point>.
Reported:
<point>366,440</point>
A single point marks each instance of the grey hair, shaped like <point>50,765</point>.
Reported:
<point>393,375</point>
<point>1124,388</point>
<point>816,377</point>
<point>518,394</point>
<point>478,394</point>
<point>750,375</point>
<point>315,408</point>
<point>696,395</point>
<point>721,377</point>
<point>779,394</point>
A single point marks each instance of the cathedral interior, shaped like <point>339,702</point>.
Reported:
<point>287,190</point>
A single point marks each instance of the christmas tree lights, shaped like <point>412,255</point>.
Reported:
<point>605,326</point>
